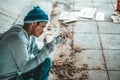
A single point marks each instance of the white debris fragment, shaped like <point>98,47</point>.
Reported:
<point>100,16</point>
<point>69,15</point>
<point>116,19</point>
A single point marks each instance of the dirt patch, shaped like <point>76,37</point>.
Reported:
<point>65,70</point>
<point>64,67</point>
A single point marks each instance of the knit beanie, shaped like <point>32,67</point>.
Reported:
<point>36,15</point>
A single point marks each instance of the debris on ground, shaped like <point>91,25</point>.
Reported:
<point>100,16</point>
<point>116,13</point>
<point>116,17</point>
<point>65,70</point>
<point>73,16</point>
<point>63,66</point>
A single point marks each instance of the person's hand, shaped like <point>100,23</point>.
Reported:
<point>59,39</point>
<point>48,37</point>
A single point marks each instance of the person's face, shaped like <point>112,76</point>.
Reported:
<point>38,29</point>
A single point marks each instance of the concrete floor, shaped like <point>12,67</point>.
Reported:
<point>98,41</point>
<point>95,45</point>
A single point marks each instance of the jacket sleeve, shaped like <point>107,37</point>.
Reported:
<point>49,47</point>
<point>21,57</point>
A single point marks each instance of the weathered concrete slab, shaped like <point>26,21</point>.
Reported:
<point>87,41</point>
<point>103,6</point>
<point>110,41</point>
<point>92,75</point>
<point>85,27</point>
<point>11,8</point>
<point>114,1</point>
<point>112,59</point>
<point>109,28</point>
<point>114,75</point>
<point>82,1</point>
<point>102,1</point>
<point>90,59</point>
<point>97,75</point>
<point>79,5</point>
<point>5,23</point>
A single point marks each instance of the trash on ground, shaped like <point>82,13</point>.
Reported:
<point>116,19</point>
<point>73,20</point>
<point>84,13</point>
<point>100,16</point>
<point>69,15</point>
<point>116,13</point>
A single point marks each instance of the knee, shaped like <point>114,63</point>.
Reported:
<point>48,61</point>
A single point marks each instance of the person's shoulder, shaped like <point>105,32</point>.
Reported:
<point>17,32</point>
<point>20,38</point>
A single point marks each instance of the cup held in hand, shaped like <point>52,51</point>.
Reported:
<point>49,37</point>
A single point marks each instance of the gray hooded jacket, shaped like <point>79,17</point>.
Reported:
<point>15,50</point>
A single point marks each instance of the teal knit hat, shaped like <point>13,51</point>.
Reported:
<point>36,15</point>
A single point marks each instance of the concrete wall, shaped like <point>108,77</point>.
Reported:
<point>12,8</point>
<point>13,11</point>
<point>9,11</point>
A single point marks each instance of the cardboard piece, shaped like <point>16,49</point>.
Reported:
<point>85,12</point>
<point>69,15</point>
